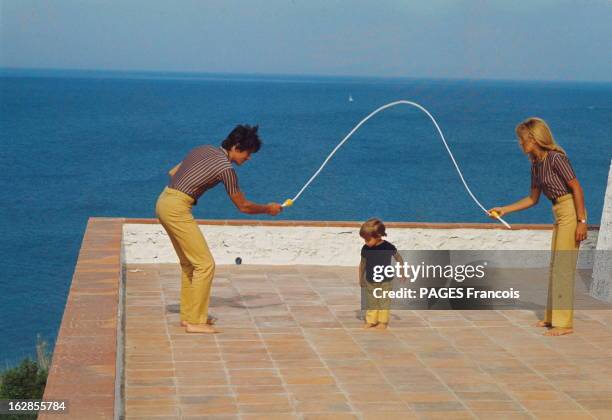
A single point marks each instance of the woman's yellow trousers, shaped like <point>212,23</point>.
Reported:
<point>560,306</point>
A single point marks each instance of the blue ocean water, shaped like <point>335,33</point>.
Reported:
<point>77,145</point>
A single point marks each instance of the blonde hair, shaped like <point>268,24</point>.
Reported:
<point>372,228</point>
<point>537,130</point>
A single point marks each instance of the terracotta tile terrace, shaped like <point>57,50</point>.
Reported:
<point>292,347</point>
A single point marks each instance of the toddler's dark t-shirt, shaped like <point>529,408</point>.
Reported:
<point>380,254</point>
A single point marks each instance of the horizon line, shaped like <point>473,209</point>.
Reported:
<point>195,74</point>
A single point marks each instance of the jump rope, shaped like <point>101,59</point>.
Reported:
<point>290,201</point>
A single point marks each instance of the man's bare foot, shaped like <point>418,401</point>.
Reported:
<point>556,331</point>
<point>543,324</point>
<point>210,321</point>
<point>366,326</point>
<point>201,328</point>
<point>381,326</point>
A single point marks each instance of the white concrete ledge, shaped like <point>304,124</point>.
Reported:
<point>148,243</point>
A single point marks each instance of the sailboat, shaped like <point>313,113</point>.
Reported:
<point>350,98</point>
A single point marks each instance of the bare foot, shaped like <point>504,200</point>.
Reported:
<point>366,326</point>
<point>543,324</point>
<point>381,326</point>
<point>210,321</point>
<point>556,331</point>
<point>201,328</point>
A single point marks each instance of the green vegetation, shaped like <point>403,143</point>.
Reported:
<point>27,380</point>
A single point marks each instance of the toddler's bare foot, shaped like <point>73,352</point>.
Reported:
<point>210,321</point>
<point>381,326</point>
<point>366,326</point>
<point>201,328</point>
<point>556,331</point>
<point>543,324</point>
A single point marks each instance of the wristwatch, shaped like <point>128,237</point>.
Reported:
<point>582,221</point>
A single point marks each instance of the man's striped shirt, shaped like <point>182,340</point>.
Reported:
<point>203,168</point>
<point>552,175</point>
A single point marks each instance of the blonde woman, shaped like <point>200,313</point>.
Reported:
<point>552,174</point>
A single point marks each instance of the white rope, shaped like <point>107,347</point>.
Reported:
<point>382,108</point>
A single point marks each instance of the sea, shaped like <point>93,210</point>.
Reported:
<point>80,144</point>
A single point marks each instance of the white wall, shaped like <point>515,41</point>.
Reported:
<point>305,245</point>
<point>601,287</point>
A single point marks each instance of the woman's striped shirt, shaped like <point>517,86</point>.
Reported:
<point>203,168</point>
<point>552,175</point>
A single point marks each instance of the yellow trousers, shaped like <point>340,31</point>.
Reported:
<point>377,310</point>
<point>564,255</point>
<point>197,264</point>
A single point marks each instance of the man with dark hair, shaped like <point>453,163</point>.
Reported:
<point>244,136</point>
<point>202,169</point>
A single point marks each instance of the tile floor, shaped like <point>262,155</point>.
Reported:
<point>292,347</point>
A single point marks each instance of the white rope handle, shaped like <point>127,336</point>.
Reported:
<point>382,108</point>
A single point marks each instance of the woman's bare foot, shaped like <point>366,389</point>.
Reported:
<point>381,326</point>
<point>201,328</point>
<point>366,326</point>
<point>210,321</point>
<point>543,324</point>
<point>557,331</point>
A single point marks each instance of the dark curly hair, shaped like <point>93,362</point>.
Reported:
<point>244,137</point>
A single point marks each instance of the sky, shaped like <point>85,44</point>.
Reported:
<point>474,39</point>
